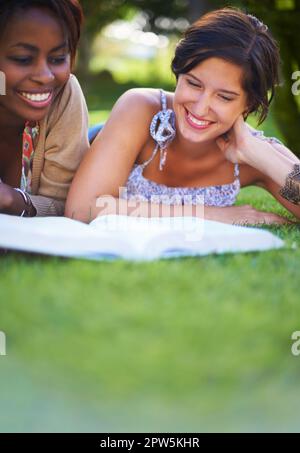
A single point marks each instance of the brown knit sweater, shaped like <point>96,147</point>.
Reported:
<point>62,143</point>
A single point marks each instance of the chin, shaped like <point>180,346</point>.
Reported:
<point>198,137</point>
<point>34,117</point>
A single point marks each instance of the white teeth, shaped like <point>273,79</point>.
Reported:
<point>36,97</point>
<point>198,122</point>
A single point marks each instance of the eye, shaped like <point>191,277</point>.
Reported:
<point>225,98</point>
<point>192,83</point>
<point>21,60</point>
<point>58,60</point>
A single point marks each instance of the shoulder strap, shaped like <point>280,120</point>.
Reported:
<point>163,99</point>
<point>236,171</point>
<point>147,162</point>
<point>162,130</point>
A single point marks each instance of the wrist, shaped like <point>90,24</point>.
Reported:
<point>291,190</point>
<point>22,206</point>
<point>28,208</point>
<point>15,202</point>
<point>249,153</point>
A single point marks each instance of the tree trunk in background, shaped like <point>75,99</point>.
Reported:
<point>284,25</point>
<point>286,108</point>
<point>286,105</point>
<point>83,61</point>
<point>197,8</point>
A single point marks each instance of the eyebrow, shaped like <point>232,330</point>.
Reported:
<point>36,49</point>
<point>220,89</point>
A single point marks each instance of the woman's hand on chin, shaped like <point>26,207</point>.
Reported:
<point>235,143</point>
<point>243,215</point>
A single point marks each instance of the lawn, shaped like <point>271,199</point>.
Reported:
<point>198,344</point>
<point>184,345</point>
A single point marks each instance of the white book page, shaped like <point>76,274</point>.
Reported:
<point>148,238</point>
<point>57,236</point>
<point>151,238</point>
<point>130,237</point>
<point>114,236</point>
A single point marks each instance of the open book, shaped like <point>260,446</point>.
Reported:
<point>130,237</point>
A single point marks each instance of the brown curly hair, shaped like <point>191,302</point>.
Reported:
<point>240,38</point>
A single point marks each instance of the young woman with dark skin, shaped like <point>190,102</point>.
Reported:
<point>38,41</point>
<point>226,65</point>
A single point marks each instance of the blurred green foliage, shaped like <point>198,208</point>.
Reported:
<point>282,17</point>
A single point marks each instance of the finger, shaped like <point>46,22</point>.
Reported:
<point>268,219</point>
<point>277,220</point>
<point>222,143</point>
<point>239,125</point>
<point>285,221</point>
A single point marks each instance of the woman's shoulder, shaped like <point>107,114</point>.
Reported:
<point>70,101</point>
<point>70,92</point>
<point>142,101</point>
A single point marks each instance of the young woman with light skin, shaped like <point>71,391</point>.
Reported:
<point>216,90</point>
<point>38,41</point>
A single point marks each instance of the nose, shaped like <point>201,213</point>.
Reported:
<point>43,73</point>
<point>202,105</point>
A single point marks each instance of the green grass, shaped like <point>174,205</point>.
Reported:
<point>184,345</point>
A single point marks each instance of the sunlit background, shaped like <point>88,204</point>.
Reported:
<point>131,43</point>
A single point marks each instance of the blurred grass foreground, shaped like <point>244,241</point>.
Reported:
<point>190,345</point>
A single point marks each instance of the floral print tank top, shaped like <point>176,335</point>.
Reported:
<point>139,188</point>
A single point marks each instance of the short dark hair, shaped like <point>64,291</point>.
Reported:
<point>240,38</point>
<point>68,12</point>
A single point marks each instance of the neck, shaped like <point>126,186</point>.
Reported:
<point>194,150</point>
<point>10,124</point>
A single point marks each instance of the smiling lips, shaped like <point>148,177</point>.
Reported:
<point>37,100</point>
<point>196,122</point>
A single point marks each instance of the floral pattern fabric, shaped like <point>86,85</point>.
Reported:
<point>30,134</point>
<point>139,188</point>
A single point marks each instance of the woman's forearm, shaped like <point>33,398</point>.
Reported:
<point>270,161</point>
<point>108,205</point>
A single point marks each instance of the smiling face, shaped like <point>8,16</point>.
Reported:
<point>35,59</point>
<point>208,100</point>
